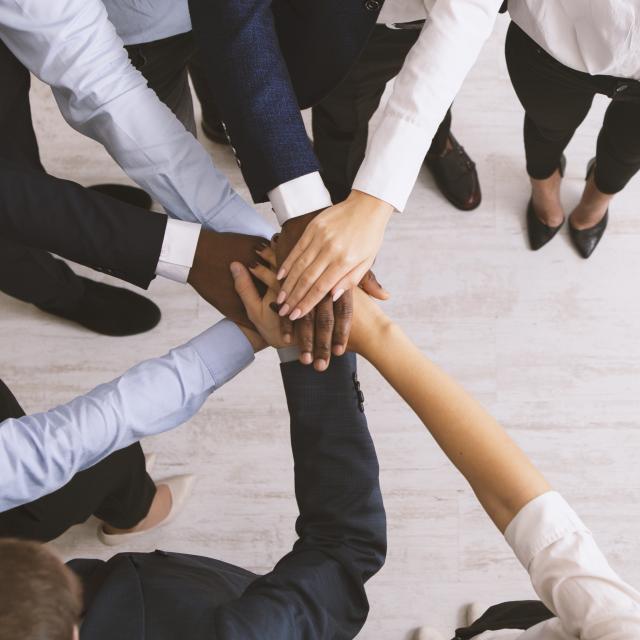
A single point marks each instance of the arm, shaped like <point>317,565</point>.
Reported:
<point>317,590</point>
<point>334,253</point>
<point>42,452</point>
<point>81,225</point>
<point>73,47</point>
<point>252,88</point>
<point>500,474</point>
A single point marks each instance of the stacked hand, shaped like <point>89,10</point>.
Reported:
<point>210,276</point>
<point>321,257</point>
<point>368,320</point>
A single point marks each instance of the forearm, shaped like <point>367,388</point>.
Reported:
<point>42,452</point>
<point>500,474</point>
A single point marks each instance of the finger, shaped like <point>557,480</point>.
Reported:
<point>307,260</point>
<point>286,329</point>
<point>294,255</point>
<point>321,287</point>
<point>268,255</point>
<point>370,285</point>
<point>244,287</point>
<point>352,279</point>
<point>304,337</point>
<point>323,334</point>
<point>265,275</point>
<point>343,314</point>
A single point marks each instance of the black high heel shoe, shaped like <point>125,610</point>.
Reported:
<point>586,240</point>
<point>539,232</point>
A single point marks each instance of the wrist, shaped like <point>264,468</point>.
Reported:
<point>371,203</point>
<point>256,340</point>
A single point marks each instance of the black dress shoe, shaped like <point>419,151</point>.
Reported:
<point>110,311</point>
<point>540,233</point>
<point>456,176</point>
<point>125,193</point>
<point>586,240</point>
<point>215,132</point>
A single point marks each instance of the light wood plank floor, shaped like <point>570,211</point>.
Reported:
<point>548,341</point>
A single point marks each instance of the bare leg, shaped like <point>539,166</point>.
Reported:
<point>160,509</point>
<point>592,207</point>
<point>546,199</point>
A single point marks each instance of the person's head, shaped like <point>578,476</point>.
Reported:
<point>40,598</point>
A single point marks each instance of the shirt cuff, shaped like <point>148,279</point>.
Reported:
<point>178,249</point>
<point>225,351</point>
<point>299,196</point>
<point>396,152</point>
<point>288,354</point>
<point>540,523</point>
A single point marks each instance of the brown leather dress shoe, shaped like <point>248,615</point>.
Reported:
<point>456,176</point>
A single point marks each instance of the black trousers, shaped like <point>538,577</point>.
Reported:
<point>117,490</point>
<point>341,120</point>
<point>556,100</point>
<point>32,274</point>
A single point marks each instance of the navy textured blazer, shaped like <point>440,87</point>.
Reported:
<point>265,60</point>
<point>316,591</point>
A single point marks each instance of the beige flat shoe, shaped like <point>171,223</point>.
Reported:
<point>428,633</point>
<point>180,487</point>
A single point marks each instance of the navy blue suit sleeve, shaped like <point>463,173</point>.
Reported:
<point>317,590</point>
<point>92,229</point>
<point>248,77</point>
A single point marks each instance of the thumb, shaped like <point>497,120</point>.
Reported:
<point>370,285</point>
<point>245,287</point>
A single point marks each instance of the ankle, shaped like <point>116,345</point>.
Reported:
<point>159,510</point>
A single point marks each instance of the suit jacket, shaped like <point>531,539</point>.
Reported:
<point>315,591</point>
<point>265,60</point>
<point>87,227</point>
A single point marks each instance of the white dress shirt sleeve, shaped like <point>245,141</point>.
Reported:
<point>42,452</point>
<point>571,575</point>
<point>299,196</point>
<point>429,80</point>
<point>72,46</point>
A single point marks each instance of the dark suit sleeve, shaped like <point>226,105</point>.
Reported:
<point>317,590</point>
<point>239,50</point>
<point>87,227</point>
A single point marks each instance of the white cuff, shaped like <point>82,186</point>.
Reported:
<point>396,152</point>
<point>299,196</point>
<point>540,523</point>
<point>178,249</point>
<point>289,354</point>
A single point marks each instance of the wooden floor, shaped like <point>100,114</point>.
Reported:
<point>548,342</point>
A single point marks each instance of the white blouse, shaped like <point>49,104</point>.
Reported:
<point>594,36</point>
<point>571,576</point>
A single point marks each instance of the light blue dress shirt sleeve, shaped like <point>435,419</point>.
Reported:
<point>42,452</point>
<point>72,46</point>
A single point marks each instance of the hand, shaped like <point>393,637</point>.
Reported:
<point>260,309</point>
<point>324,330</point>
<point>334,253</point>
<point>210,275</point>
<point>369,321</point>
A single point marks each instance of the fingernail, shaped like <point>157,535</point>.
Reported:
<point>253,265</point>
<point>235,269</point>
<point>282,296</point>
<point>306,358</point>
<point>281,274</point>
<point>287,338</point>
<point>295,315</point>
<point>337,295</point>
<point>320,365</point>
<point>338,350</point>
<point>284,310</point>
<point>274,307</point>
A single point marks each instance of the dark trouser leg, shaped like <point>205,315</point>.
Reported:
<point>618,151</point>
<point>210,112</point>
<point>556,100</point>
<point>341,120</point>
<point>31,275</point>
<point>164,65</point>
<point>117,490</point>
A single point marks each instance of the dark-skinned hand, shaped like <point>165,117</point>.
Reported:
<point>210,275</point>
<point>325,329</point>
